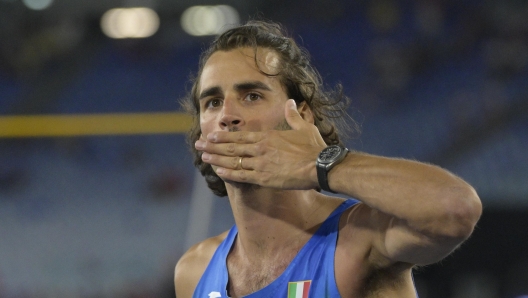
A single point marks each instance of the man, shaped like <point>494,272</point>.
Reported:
<point>262,120</point>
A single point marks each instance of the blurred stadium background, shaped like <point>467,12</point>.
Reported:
<point>106,214</point>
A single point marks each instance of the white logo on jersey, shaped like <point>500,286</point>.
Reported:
<point>215,295</point>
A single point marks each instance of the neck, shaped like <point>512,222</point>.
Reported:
<point>270,220</point>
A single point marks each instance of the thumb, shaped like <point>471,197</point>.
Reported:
<point>292,116</point>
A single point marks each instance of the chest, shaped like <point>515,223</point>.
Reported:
<point>248,277</point>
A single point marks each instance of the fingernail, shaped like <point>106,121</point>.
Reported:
<point>293,105</point>
<point>199,144</point>
<point>211,137</point>
<point>206,156</point>
<point>220,171</point>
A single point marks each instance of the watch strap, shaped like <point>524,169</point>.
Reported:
<point>322,178</point>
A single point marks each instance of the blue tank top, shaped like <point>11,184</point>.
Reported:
<point>310,273</point>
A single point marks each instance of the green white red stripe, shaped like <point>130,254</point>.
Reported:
<point>299,289</point>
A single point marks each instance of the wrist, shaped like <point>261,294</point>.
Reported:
<point>328,158</point>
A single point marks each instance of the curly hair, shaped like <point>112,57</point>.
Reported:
<point>301,80</point>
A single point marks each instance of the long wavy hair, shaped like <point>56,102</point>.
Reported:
<point>301,80</point>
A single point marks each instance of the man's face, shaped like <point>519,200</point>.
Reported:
<point>233,95</point>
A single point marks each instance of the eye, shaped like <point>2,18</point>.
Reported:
<point>213,103</point>
<point>253,96</point>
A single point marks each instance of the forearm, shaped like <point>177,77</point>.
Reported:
<point>429,199</point>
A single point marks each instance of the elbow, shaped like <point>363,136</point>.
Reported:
<point>462,212</point>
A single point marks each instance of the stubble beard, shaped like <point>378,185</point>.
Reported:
<point>283,125</point>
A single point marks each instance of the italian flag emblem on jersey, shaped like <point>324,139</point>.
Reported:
<point>299,289</point>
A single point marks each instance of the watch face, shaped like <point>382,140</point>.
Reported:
<point>329,153</point>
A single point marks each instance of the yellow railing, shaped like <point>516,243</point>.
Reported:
<point>25,126</point>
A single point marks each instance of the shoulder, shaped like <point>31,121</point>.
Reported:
<point>192,265</point>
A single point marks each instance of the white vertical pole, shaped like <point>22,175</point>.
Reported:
<point>200,212</point>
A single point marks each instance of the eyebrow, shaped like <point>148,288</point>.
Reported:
<point>209,92</point>
<point>215,90</point>
<point>252,85</point>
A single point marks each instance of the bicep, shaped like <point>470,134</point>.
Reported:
<point>396,241</point>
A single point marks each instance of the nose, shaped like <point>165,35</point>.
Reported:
<point>231,116</point>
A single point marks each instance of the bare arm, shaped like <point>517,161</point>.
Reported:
<point>424,211</point>
<point>418,212</point>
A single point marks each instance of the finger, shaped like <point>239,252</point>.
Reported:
<point>292,115</point>
<point>227,149</point>
<point>228,162</point>
<point>240,137</point>
<point>244,176</point>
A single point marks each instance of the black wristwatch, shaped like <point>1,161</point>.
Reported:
<point>327,159</point>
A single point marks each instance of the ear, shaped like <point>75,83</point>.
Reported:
<point>305,112</point>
